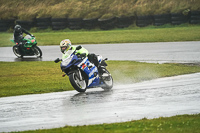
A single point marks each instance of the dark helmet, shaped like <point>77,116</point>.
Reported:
<point>18,28</point>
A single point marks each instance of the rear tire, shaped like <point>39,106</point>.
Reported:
<point>79,85</point>
<point>16,51</point>
<point>107,79</point>
<point>37,51</point>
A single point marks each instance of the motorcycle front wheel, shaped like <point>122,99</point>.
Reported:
<point>16,51</point>
<point>79,85</point>
<point>37,51</point>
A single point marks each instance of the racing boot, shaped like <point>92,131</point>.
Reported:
<point>20,47</point>
<point>100,70</point>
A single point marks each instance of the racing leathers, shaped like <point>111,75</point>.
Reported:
<point>18,36</point>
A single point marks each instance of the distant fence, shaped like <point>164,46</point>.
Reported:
<point>192,17</point>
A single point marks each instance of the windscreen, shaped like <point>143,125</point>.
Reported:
<point>67,54</point>
<point>28,37</point>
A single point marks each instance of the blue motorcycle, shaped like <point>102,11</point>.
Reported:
<point>83,74</point>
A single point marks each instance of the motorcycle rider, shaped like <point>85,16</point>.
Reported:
<point>66,45</point>
<point>18,35</point>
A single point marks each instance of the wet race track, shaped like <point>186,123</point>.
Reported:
<point>148,52</point>
<point>150,99</point>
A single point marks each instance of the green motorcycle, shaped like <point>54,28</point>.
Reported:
<point>28,48</point>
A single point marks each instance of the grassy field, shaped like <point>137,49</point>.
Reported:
<point>27,10</point>
<point>166,33</point>
<point>21,78</point>
<point>175,124</point>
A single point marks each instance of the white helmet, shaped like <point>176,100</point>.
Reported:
<point>65,45</point>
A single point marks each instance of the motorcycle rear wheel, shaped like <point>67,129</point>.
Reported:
<point>37,51</point>
<point>79,85</point>
<point>16,51</point>
<point>107,79</point>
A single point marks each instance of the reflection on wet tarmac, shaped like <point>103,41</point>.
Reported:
<point>90,97</point>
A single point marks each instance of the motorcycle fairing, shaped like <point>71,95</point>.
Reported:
<point>68,63</point>
<point>30,41</point>
<point>28,45</point>
<point>99,57</point>
<point>85,65</point>
<point>91,70</point>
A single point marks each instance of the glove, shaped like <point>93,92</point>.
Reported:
<point>78,47</point>
<point>57,60</point>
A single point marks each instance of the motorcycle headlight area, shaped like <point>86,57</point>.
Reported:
<point>66,61</point>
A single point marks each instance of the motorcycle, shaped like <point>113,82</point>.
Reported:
<point>83,74</point>
<point>27,48</point>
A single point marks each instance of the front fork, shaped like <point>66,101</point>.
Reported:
<point>77,73</point>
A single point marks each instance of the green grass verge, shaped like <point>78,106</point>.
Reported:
<point>175,124</point>
<point>21,78</point>
<point>166,33</point>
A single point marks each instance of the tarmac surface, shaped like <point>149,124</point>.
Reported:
<point>159,52</point>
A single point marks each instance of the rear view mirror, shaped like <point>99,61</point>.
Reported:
<point>78,47</point>
<point>57,60</point>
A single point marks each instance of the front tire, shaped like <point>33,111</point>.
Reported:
<point>79,85</point>
<point>37,51</point>
<point>16,51</point>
